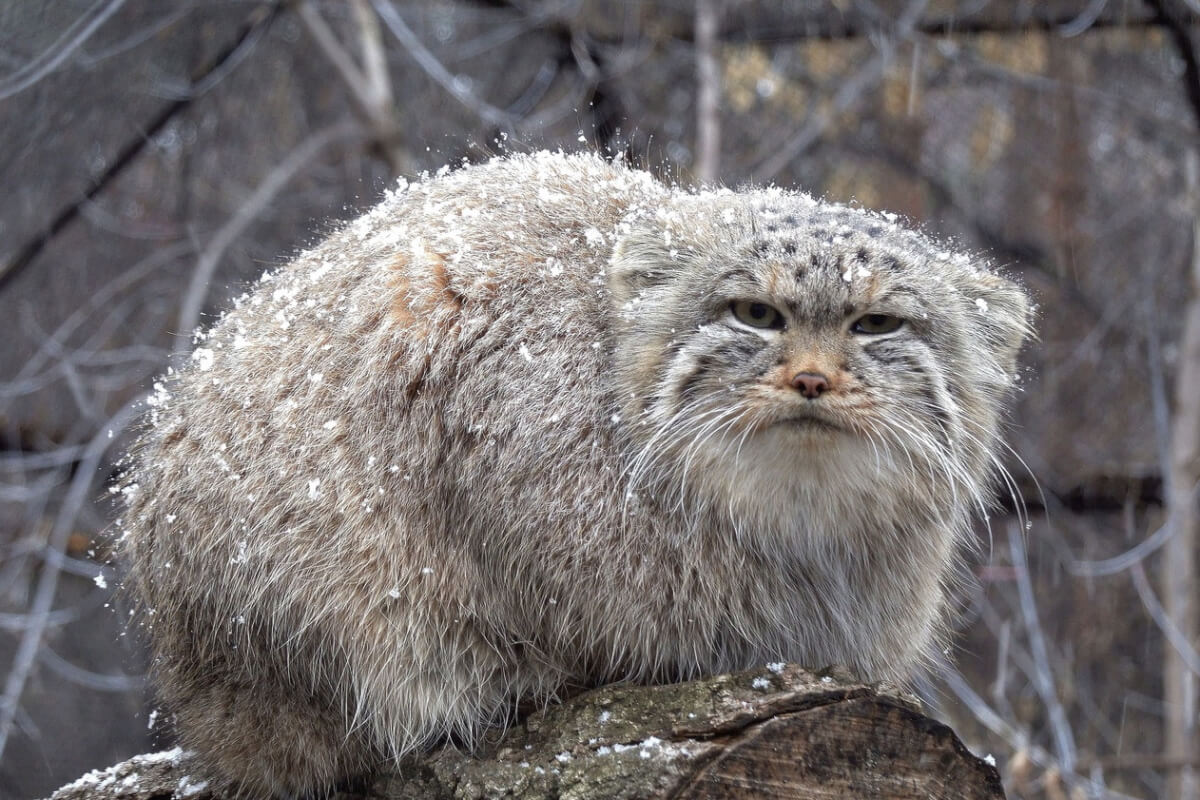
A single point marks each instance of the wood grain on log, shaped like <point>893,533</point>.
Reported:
<point>777,732</point>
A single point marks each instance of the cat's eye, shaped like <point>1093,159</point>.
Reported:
<point>756,314</point>
<point>876,323</point>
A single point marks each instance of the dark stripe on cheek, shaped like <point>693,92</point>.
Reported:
<point>885,355</point>
<point>938,411</point>
<point>931,406</point>
<point>743,347</point>
<point>691,384</point>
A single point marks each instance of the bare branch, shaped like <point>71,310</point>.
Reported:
<point>1174,636</point>
<point>1017,740</point>
<point>1044,682</point>
<point>371,86</point>
<point>85,677</point>
<point>300,157</point>
<point>47,584</point>
<point>10,267</point>
<point>1130,558</point>
<point>378,88</point>
<point>435,69</point>
<point>351,75</point>
<point>846,96</point>
<point>1182,475</point>
<point>53,56</point>
<point>1086,19</point>
<point>708,93</point>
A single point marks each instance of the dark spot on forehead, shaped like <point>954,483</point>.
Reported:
<point>848,309</point>
<point>760,247</point>
<point>861,255</point>
<point>891,263</point>
<point>874,230</point>
<point>791,221</point>
<point>790,248</point>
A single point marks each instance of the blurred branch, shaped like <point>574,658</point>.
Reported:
<point>1174,20</point>
<point>814,22</point>
<point>378,83</point>
<point>1174,636</point>
<point>708,93</point>
<point>1086,19</point>
<point>10,267</point>
<point>453,84</point>
<point>1138,761</point>
<point>1183,474</point>
<point>47,584</point>
<point>91,60</point>
<point>96,681</point>
<point>370,86</point>
<point>1016,739</point>
<point>53,56</point>
<point>1127,560</point>
<point>846,96</point>
<point>1043,677</point>
<point>270,186</point>
<point>29,379</point>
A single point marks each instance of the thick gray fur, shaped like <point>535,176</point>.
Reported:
<point>503,437</point>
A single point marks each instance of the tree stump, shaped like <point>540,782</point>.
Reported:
<point>776,732</point>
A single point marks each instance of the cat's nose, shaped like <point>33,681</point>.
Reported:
<point>810,384</point>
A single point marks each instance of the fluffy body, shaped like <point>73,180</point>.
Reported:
<point>503,437</point>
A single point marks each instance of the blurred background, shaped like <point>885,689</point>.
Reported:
<point>155,157</point>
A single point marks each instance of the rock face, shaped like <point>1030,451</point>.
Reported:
<point>776,732</point>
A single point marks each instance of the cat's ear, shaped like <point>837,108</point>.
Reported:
<point>1003,313</point>
<point>642,260</point>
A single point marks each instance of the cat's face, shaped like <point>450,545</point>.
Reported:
<point>800,344</point>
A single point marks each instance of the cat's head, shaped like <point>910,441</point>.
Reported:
<point>775,346</point>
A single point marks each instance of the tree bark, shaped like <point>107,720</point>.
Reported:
<point>775,732</point>
<point>1179,553</point>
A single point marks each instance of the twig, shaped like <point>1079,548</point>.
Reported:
<point>47,584</point>
<point>28,379</point>
<point>97,681</point>
<point>1157,613</point>
<point>300,157</point>
<point>370,86</point>
<point>1086,19</point>
<point>1043,678</point>
<point>53,56</point>
<point>1017,740</point>
<point>19,261</point>
<point>378,86</point>
<point>708,93</point>
<point>1119,563</point>
<point>846,96</point>
<point>341,60</point>
<point>434,68</point>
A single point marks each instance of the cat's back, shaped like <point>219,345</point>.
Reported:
<point>355,394</point>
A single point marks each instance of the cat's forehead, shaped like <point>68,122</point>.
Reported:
<point>779,223</point>
<point>792,243</point>
<point>789,224</point>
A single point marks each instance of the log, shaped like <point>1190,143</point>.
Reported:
<point>775,732</point>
